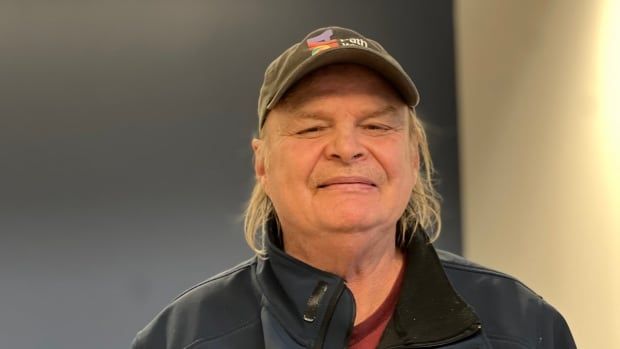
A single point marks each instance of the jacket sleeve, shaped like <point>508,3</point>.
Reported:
<point>142,341</point>
<point>154,335</point>
<point>555,333</point>
<point>135,344</point>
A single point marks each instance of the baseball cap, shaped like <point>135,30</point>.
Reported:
<point>325,46</point>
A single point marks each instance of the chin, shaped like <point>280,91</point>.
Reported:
<point>343,220</point>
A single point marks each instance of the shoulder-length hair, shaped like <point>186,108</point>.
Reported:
<point>423,211</point>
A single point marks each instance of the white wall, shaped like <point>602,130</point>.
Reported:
<point>540,162</point>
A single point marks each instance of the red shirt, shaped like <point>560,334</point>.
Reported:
<point>367,334</point>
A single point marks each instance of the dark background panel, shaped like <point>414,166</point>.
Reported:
<point>124,147</point>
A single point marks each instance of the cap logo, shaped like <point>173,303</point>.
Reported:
<point>324,41</point>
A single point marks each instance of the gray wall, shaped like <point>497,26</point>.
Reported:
<point>124,147</point>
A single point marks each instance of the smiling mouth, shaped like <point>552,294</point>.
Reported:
<point>347,181</point>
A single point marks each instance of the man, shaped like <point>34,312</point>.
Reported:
<point>340,218</point>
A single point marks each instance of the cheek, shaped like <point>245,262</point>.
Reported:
<point>401,161</point>
<point>291,165</point>
<point>404,173</point>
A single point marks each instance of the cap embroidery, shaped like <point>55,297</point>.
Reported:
<point>324,41</point>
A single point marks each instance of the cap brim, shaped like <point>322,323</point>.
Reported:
<point>356,55</point>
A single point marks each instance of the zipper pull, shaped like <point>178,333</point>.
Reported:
<point>315,301</point>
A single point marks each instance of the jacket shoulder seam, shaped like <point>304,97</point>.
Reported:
<point>510,339</point>
<point>208,339</point>
<point>243,266</point>
<point>481,270</point>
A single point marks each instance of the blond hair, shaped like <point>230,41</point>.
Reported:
<point>423,211</point>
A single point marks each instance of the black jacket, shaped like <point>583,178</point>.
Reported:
<point>280,302</point>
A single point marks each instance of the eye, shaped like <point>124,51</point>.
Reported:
<point>377,127</point>
<point>311,130</point>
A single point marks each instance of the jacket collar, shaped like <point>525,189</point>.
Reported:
<point>312,305</point>
<point>315,306</point>
<point>429,311</point>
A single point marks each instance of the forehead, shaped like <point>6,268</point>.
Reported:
<point>340,79</point>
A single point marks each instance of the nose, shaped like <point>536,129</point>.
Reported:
<point>345,146</point>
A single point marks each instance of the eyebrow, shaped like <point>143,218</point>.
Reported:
<point>320,115</point>
<point>387,110</point>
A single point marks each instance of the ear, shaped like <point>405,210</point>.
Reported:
<point>259,160</point>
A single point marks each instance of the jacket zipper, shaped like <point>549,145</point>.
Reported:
<point>331,308</point>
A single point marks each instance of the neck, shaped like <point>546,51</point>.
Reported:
<point>368,261</point>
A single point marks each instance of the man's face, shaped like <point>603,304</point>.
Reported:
<point>337,154</point>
